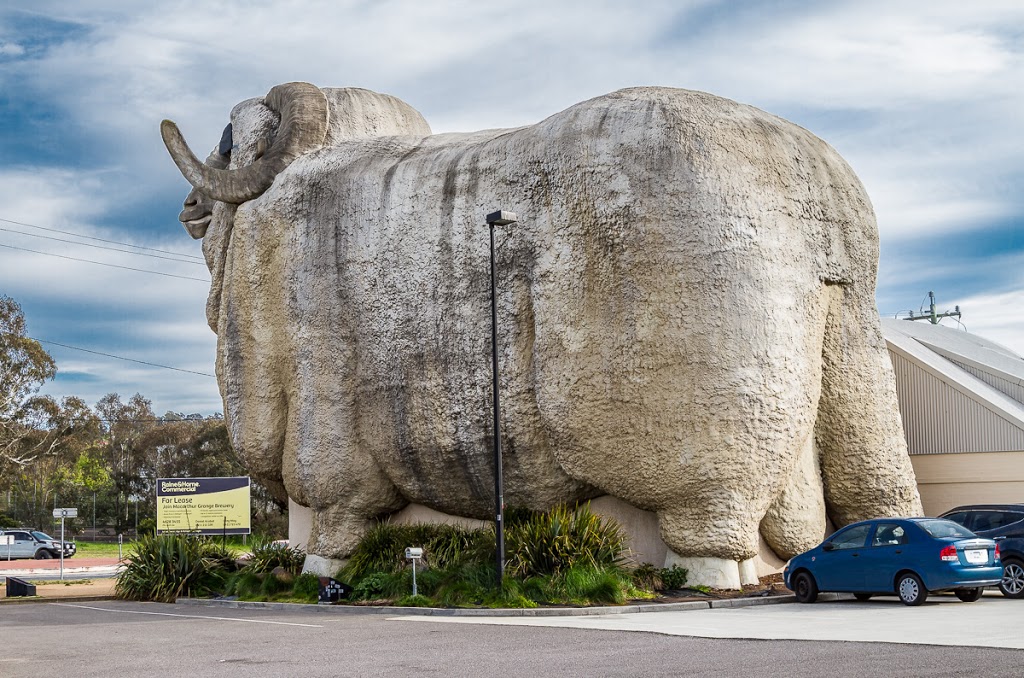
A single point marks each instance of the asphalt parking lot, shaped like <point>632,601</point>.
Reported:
<point>993,621</point>
<point>110,638</point>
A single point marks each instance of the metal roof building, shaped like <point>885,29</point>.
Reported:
<point>962,402</point>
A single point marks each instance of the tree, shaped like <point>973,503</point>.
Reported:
<point>30,426</point>
<point>24,365</point>
<point>125,426</point>
<point>52,437</point>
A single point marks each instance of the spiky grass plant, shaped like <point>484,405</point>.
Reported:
<point>164,567</point>
<point>563,538</point>
<point>264,556</point>
<point>566,555</point>
<point>444,547</point>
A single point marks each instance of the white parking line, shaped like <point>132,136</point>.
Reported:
<point>190,616</point>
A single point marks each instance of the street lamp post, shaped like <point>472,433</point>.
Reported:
<point>499,218</point>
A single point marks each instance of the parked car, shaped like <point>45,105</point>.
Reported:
<point>1005,524</point>
<point>990,520</point>
<point>28,543</point>
<point>1012,585</point>
<point>908,557</point>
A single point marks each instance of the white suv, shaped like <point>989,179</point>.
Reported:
<point>33,544</point>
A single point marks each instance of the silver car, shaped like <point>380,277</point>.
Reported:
<point>25,543</point>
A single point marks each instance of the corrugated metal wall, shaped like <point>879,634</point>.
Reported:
<point>938,419</point>
<point>1011,388</point>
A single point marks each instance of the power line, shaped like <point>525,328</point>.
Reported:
<point>121,420</point>
<point>133,360</point>
<point>102,247</point>
<point>90,237</point>
<point>100,263</point>
<point>135,420</point>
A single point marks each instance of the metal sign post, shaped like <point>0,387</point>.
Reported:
<point>63,513</point>
<point>413,554</point>
<point>9,539</point>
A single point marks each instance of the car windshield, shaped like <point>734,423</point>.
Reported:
<point>945,528</point>
<point>42,536</point>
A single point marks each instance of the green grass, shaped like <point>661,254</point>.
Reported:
<point>90,549</point>
<point>66,582</point>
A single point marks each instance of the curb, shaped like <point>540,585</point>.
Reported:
<point>103,569</point>
<point>457,612</point>
<point>50,599</point>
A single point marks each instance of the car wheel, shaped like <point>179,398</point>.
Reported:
<point>1012,585</point>
<point>43,554</point>
<point>910,589</point>
<point>969,595</point>
<point>805,588</point>
<point>862,596</point>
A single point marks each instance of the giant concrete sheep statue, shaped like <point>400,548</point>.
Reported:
<point>686,313</point>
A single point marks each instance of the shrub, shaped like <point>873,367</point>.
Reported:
<point>244,584</point>
<point>165,567</point>
<point>583,585</point>
<point>307,587</point>
<point>468,584</point>
<point>460,594</point>
<point>266,555</point>
<point>147,526</point>
<point>511,594</point>
<point>374,586</point>
<point>646,577</point>
<point>561,539</point>
<point>272,585</point>
<point>444,547</point>
<point>673,578</point>
<point>380,550</point>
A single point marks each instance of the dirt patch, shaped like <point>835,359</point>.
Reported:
<point>78,588</point>
<point>770,585</point>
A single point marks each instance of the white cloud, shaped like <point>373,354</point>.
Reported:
<point>123,312</point>
<point>11,49</point>
<point>999,317</point>
<point>922,98</point>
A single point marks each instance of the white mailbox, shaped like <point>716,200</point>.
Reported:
<point>412,553</point>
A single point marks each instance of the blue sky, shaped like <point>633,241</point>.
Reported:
<point>924,98</point>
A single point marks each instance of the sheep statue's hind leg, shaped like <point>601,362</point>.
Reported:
<point>796,520</point>
<point>751,441</point>
<point>865,465</point>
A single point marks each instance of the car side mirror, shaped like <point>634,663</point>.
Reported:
<point>829,547</point>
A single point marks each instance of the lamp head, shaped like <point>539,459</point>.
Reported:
<point>501,218</point>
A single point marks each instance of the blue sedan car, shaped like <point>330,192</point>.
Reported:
<point>909,557</point>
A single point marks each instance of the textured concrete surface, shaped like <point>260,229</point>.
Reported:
<point>993,621</point>
<point>686,308</point>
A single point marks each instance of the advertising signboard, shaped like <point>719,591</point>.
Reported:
<point>202,505</point>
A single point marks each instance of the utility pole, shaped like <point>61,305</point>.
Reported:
<point>932,316</point>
